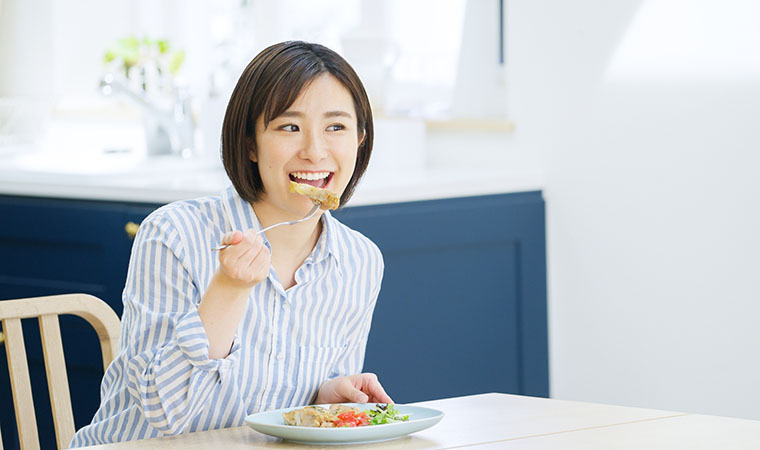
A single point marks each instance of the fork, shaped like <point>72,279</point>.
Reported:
<point>292,222</point>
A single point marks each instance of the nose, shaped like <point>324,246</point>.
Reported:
<point>314,147</point>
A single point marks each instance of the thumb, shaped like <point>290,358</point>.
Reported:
<point>237,237</point>
<point>232,237</point>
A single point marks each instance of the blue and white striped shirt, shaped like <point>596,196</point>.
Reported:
<point>288,343</point>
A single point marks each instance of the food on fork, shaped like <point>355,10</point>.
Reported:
<point>325,198</point>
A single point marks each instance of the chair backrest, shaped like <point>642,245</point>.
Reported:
<point>46,310</point>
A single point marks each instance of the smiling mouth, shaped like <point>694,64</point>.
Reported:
<point>316,179</point>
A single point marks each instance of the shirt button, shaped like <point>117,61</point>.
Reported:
<point>280,357</point>
<point>286,305</point>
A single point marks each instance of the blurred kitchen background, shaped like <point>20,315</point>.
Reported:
<point>635,118</point>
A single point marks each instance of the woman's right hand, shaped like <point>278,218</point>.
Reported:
<point>243,264</point>
<point>246,260</point>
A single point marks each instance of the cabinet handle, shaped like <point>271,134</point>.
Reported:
<point>131,229</point>
<point>2,337</point>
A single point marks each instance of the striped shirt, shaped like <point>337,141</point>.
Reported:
<point>288,343</point>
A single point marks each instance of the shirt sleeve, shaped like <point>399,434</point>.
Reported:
<point>169,374</point>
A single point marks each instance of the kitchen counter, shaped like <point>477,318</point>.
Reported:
<point>105,159</point>
<point>166,179</point>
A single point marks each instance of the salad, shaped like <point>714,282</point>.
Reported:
<point>338,416</point>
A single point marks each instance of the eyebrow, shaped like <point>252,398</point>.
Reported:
<point>336,113</point>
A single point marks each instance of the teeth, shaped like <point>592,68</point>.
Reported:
<point>310,175</point>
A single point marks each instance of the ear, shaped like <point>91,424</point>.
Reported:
<point>363,136</point>
<point>251,150</point>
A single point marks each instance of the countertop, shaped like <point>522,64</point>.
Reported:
<point>166,179</point>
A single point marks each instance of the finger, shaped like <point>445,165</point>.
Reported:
<point>349,392</point>
<point>260,266</point>
<point>255,242</point>
<point>241,238</point>
<point>239,254</point>
<point>379,396</point>
<point>261,259</point>
<point>249,249</point>
<point>232,237</point>
<point>375,390</point>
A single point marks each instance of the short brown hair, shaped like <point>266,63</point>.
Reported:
<point>268,86</point>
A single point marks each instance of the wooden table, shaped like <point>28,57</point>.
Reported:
<point>502,421</point>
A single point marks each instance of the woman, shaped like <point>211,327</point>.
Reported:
<point>274,320</point>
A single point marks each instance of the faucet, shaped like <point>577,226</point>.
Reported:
<point>169,129</point>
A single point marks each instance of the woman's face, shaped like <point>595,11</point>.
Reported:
<point>315,141</point>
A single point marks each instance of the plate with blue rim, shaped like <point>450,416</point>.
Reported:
<point>272,423</point>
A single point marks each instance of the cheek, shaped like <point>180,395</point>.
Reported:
<point>348,165</point>
<point>266,168</point>
<point>349,152</point>
<point>267,172</point>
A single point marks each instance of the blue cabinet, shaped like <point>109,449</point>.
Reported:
<point>50,246</point>
<point>462,309</point>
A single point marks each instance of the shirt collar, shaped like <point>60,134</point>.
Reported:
<point>327,243</point>
<point>239,214</point>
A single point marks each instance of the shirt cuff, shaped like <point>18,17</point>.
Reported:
<point>192,340</point>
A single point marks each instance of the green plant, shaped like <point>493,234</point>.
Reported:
<point>129,52</point>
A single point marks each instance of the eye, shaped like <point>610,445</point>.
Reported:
<point>336,127</point>
<point>289,127</point>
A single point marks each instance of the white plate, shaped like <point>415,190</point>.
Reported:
<point>271,423</point>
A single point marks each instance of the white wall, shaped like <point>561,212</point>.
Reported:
<point>25,73</point>
<point>644,114</point>
<point>42,58</point>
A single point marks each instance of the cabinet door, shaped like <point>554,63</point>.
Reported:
<point>51,246</point>
<point>462,309</point>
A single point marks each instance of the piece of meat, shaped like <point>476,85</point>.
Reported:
<point>310,416</point>
<point>338,409</point>
<point>325,198</point>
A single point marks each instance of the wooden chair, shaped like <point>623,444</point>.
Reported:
<point>47,309</point>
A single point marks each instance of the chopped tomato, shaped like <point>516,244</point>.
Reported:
<point>352,419</point>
